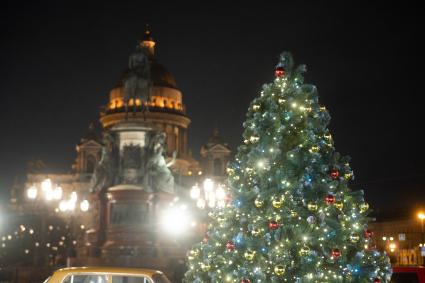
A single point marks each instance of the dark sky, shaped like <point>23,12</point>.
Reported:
<point>59,59</point>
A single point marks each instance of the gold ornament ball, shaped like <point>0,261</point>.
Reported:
<point>279,270</point>
<point>258,203</point>
<point>312,206</point>
<point>348,176</point>
<point>249,255</point>
<point>364,207</point>
<point>304,251</point>
<point>294,214</point>
<point>277,201</point>
<point>314,149</point>
<point>339,204</point>
<point>354,238</point>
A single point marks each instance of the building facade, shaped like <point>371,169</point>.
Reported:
<point>402,239</point>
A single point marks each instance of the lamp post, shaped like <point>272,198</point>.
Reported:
<point>41,196</point>
<point>391,246</point>
<point>421,217</point>
<point>70,209</point>
<point>210,195</point>
<point>45,195</point>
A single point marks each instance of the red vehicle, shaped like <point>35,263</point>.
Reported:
<point>408,274</point>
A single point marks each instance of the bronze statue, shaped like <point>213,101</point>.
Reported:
<point>137,83</point>
<point>158,176</point>
<point>103,175</point>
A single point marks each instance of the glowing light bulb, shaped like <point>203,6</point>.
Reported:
<point>63,206</point>
<point>84,205</point>
<point>195,192</point>
<point>208,185</point>
<point>46,185</point>
<point>32,192</point>
<point>57,193</point>
<point>201,203</point>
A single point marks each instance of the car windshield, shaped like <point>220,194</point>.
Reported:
<point>160,278</point>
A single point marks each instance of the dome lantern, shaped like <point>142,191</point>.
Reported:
<point>147,42</point>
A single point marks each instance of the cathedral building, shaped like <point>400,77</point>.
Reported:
<point>130,123</point>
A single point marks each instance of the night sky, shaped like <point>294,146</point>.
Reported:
<point>59,59</point>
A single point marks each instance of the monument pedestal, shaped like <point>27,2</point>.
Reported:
<point>132,233</point>
<point>132,187</point>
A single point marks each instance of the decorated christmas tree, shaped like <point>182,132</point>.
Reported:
<point>292,216</point>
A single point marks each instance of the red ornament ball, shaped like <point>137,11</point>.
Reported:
<point>279,72</point>
<point>336,253</point>
<point>245,281</point>
<point>368,234</point>
<point>376,280</point>
<point>273,225</point>
<point>230,246</point>
<point>330,199</point>
<point>334,174</point>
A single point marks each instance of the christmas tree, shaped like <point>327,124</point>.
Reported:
<point>292,217</point>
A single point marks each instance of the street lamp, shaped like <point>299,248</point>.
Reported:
<point>210,194</point>
<point>176,219</point>
<point>84,205</point>
<point>47,192</point>
<point>32,192</point>
<point>421,217</point>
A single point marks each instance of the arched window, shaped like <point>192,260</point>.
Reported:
<point>218,167</point>
<point>90,164</point>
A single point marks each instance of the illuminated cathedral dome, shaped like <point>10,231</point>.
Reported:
<point>160,76</point>
<point>165,96</point>
<point>163,111</point>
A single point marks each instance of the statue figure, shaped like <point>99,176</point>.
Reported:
<point>158,176</point>
<point>137,83</point>
<point>103,175</point>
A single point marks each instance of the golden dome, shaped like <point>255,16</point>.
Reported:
<point>165,97</point>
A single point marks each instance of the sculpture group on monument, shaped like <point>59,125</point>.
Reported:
<point>129,163</point>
